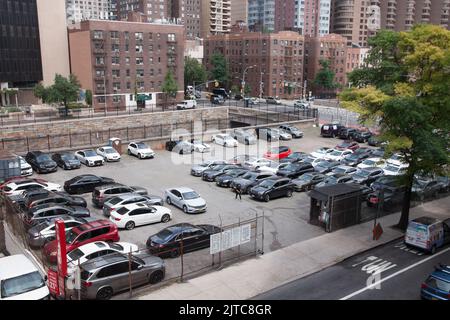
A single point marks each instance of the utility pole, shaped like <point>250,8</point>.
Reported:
<point>243,78</point>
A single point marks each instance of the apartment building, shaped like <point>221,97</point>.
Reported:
<point>215,17</point>
<point>272,62</point>
<point>189,13</point>
<point>271,15</point>
<point>312,17</point>
<point>115,59</point>
<point>155,10</point>
<point>239,11</point>
<point>79,10</point>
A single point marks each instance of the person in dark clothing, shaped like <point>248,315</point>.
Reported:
<point>238,193</point>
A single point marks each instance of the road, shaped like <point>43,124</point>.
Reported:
<point>399,272</point>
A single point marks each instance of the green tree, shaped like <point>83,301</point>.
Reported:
<point>62,91</point>
<point>219,70</point>
<point>411,101</point>
<point>325,77</point>
<point>169,88</point>
<point>247,89</point>
<point>194,72</point>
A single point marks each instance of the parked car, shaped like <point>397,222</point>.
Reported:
<point>198,169</point>
<point>437,285</point>
<point>30,195</point>
<point>140,150</point>
<point>428,234</point>
<point>374,141</point>
<point>368,175</point>
<point>182,147</point>
<point>41,162</point>
<point>335,178</point>
<point>347,145</point>
<point>396,159</point>
<point>393,170</point>
<point>343,170</point>
<point>85,183</point>
<point>296,169</point>
<point>293,131</point>
<point>307,181</point>
<point>187,104</point>
<point>66,160</point>
<point>355,158</point>
<point>18,187</point>
<point>97,249</point>
<point>57,197</point>
<point>200,146</point>
<point>337,155</point>
<point>294,157</point>
<point>300,104</point>
<point>372,162</point>
<point>243,136</point>
<point>330,130</point>
<point>138,214</point>
<point>44,232</point>
<point>284,135</point>
<point>256,163</point>
<point>186,199</point>
<point>388,197</point>
<point>104,276</point>
<point>272,167</point>
<point>37,215</point>
<point>20,279</point>
<point>25,168</point>
<point>273,100</point>
<point>127,199</point>
<point>346,133</point>
<point>224,140</point>
<point>221,92</point>
<point>423,189</point>
<point>245,182</point>
<point>99,230</point>
<point>444,182</point>
<point>278,153</point>
<point>313,161</point>
<point>225,179</point>
<point>362,136</point>
<point>89,158</point>
<point>167,242</point>
<point>267,134</point>
<point>106,192</point>
<point>378,153</point>
<point>321,153</point>
<point>109,154</point>
<point>216,171</point>
<point>326,166</point>
<point>272,188</point>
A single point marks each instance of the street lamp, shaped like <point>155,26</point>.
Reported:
<point>243,78</point>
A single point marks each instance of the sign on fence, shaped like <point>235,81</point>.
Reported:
<point>52,282</point>
<point>230,238</point>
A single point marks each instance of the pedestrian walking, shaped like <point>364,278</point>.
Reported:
<point>238,193</point>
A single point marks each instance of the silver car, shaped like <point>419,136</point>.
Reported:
<point>186,199</point>
<point>125,199</point>
<point>198,169</point>
<point>244,136</point>
<point>104,276</point>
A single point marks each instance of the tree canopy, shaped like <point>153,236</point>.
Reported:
<point>325,77</point>
<point>219,69</point>
<point>169,87</point>
<point>194,71</point>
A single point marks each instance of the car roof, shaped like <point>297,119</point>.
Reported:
<point>15,265</point>
<point>99,262</point>
<point>132,206</point>
<point>94,247</point>
<point>92,225</point>
<point>109,186</point>
<point>182,189</point>
<point>47,206</point>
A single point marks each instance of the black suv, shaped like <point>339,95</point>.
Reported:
<point>362,136</point>
<point>85,183</point>
<point>272,188</point>
<point>296,169</point>
<point>346,133</point>
<point>66,160</point>
<point>41,162</point>
<point>331,130</point>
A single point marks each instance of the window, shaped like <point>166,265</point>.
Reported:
<point>139,60</point>
<point>115,60</point>
<point>139,48</point>
<point>98,34</point>
<point>116,73</point>
<point>171,37</point>
<point>140,72</point>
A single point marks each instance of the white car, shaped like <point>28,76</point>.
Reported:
<point>337,155</point>
<point>186,199</point>
<point>139,214</point>
<point>200,146</point>
<point>20,279</point>
<point>89,158</point>
<point>321,153</point>
<point>343,170</point>
<point>97,249</point>
<point>396,160</point>
<point>372,162</point>
<point>393,170</point>
<point>18,187</point>
<point>225,140</point>
<point>254,164</point>
<point>108,153</point>
<point>282,134</point>
<point>140,150</point>
<point>198,169</point>
<point>314,161</point>
<point>272,167</point>
<point>25,168</point>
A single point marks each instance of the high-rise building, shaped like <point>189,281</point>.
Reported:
<point>155,10</point>
<point>271,15</point>
<point>114,59</point>
<point>189,13</point>
<point>79,10</point>
<point>215,17</point>
<point>313,17</point>
<point>271,64</point>
<point>239,11</point>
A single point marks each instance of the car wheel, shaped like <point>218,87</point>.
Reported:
<point>105,293</point>
<point>65,167</point>
<point>435,194</point>
<point>139,156</point>
<point>168,200</point>
<point>181,152</point>
<point>130,225</point>
<point>289,193</point>
<point>185,209</point>
<point>165,218</point>
<point>266,198</point>
<point>129,152</point>
<point>433,250</point>
<point>175,253</point>
<point>156,277</point>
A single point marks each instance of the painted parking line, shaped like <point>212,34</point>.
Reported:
<point>377,283</point>
<point>402,246</point>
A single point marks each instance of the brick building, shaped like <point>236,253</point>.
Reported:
<point>116,58</point>
<point>274,62</point>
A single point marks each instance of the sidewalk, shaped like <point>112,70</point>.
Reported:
<point>252,277</point>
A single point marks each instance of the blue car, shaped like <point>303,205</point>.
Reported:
<point>437,285</point>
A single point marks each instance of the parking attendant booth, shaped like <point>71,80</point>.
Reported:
<point>116,143</point>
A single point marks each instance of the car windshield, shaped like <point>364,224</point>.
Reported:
<point>249,175</point>
<point>190,195</point>
<point>43,157</point>
<point>438,283</point>
<point>306,177</point>
<point>420,183</point>
<point>76,254</point>
<point>369,162</point>
<point>122,211</point>
<point>68,157</point>
<point>331,180</point>
<point>291,167</point>
<point>21,284</point>
<point>218,167</point>
<point>322,150</point>
<point>267,184</point>
<point>164,234</point>
<point>110,150</point>
<point>363,173</point>
<point>90,153</point>
<point>235,173</point>
<point>114,201</point>
<point>71,236</point>
<point>336,153</point>
<point>353,157</point>
<point>392,168</point>
<point>339,170</point>
<point>141,146</point>
<point>324,164</point>
<point>309,160</point>
<point>274,150</point>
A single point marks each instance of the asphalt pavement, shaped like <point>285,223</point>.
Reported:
<point>389,272</point>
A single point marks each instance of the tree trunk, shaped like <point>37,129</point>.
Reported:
<point>404,219</point>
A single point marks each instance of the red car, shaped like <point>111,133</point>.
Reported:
<point>278,153</point>
<point>351,145</point>
<point>100,230</point>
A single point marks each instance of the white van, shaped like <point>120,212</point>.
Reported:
<point>187,104</point>
<point>20,279</point>
<point>428,233</point>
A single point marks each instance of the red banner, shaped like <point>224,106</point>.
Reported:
<point>52,282</point>
<point>61,254</point>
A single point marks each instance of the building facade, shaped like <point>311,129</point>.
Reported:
<point>271,15</point>
<point>215,17</point>
<point>189,13</point>
<point>155,10</point>
<point>116,59</point>
<point>313,17</point>
<point>239,11</point>
<point>79,10</point>
<point>271,64</point>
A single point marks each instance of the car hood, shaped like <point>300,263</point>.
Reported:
<point>199,168</point>
<point>139,190</point>
<point>150,260</point>
<point>300,182</point>
<point>196,202</point>
<point>50,247</point>
<point>94,158</point>
<point>284,172</point>
<point>358,177</point>
<point>36,294</point>
<point>146,150</point>
<point>80,210</point>
<point>211,172</point>
<point>47,164</point>
<point>258,190</point>
<point>72,162</point>
<point>242,182</point>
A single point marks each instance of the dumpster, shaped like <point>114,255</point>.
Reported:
<point>116,143</point>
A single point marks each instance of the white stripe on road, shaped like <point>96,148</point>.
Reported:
<point>393,275</point>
